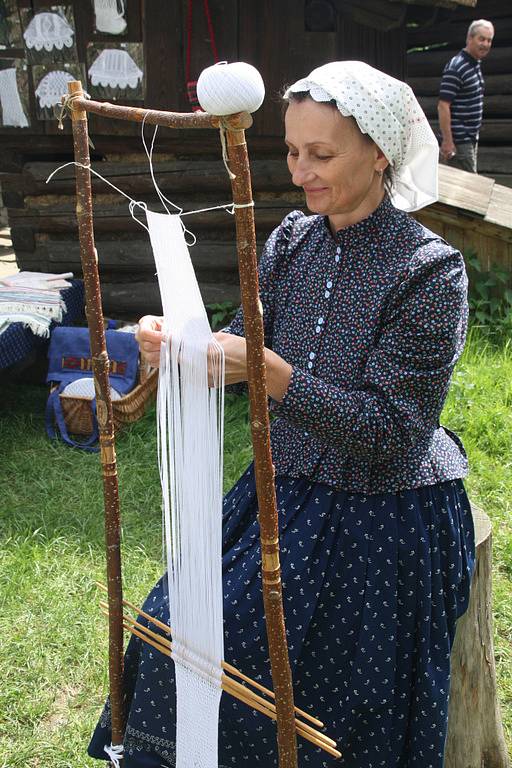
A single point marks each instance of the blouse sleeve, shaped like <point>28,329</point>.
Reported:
<point>270,265</point>
<point>405,381</point>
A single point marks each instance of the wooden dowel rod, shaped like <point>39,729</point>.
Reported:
<point>225,665</point>
<point>167,644</point>
<point>251,699</point>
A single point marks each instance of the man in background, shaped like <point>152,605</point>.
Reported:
<point>461,98</point>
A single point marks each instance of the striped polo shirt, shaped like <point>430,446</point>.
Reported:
<point>462,85</point>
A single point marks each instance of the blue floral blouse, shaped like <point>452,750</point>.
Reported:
<point>372,321</point>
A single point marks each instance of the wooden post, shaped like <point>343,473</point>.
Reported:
<point>100,363</point>
<point>475,733</point>
<point>264,469</point>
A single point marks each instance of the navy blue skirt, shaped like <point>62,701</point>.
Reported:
<point>373,586</point>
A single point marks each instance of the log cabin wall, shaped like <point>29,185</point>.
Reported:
<point>283,40</point>
<point>446,30</point>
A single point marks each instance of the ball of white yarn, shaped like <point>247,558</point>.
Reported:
<point>224,89</point>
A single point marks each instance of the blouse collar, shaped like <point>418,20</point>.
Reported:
<point>370,225</point>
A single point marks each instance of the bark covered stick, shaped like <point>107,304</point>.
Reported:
<point>260,429</point>
<point>155,116</point>
<point>100,364</point>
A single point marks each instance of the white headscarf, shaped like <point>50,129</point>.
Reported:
<point>387,110</point>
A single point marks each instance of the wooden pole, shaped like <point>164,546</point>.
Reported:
<point>100,364</point>
<point>260,429</point>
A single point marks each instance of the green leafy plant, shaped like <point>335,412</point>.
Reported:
<point>221,314</point>
<point>490,301</point>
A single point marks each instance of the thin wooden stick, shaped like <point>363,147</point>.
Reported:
<point>225,666</point>
<point>260,430</point>
<point>100,364</point>
<point>165,646</point>
<point>155,116</point>
<point>246,696</point>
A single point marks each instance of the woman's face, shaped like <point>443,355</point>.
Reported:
<point>333,162</point>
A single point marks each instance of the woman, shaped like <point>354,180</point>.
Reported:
<point>365,314</point>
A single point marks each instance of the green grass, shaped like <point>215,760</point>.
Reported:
<point>53,654</point>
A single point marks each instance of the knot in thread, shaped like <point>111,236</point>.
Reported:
<point>66,105</point>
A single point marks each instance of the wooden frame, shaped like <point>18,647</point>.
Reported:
<point>234,127</point>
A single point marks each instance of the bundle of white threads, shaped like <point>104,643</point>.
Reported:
<point>190,438</point>
<point>225,89</point>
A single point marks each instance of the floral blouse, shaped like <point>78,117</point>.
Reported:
<point>372,320</point>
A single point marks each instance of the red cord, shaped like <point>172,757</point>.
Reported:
<point>189,40</point>
<point>210,31</point>
<point>211,35</point>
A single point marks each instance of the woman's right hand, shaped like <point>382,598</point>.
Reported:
<point>149,336</point>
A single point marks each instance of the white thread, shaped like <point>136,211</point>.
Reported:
<point>224,89</point>
<point>225,158</point>
<point>190,414</point>
<point>115,754</point>
<point>228,207</point>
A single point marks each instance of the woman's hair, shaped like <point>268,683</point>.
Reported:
<point>388,176</point>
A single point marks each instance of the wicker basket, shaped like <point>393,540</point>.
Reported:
<point>77,410</point>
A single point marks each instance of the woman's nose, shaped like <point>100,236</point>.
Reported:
<point>301,173</point>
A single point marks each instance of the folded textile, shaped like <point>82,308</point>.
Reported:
<point>33,299</point>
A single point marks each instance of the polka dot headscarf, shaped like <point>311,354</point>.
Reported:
<point>387,110</point>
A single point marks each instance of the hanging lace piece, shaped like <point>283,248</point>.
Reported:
<point>115,68</point>
<point>12,108</point>
<point>52,87</point>
<point>190,438</point>
<point>108,17</point>
<point>48,31</point>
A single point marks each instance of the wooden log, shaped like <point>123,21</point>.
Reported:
<point>494,106</point>
<point>494,131</point>
<point>59,217</point>
<point>475,732</point>
<point>130,301</point>
<point>429,63</point>
<point>180,176</point>
<point>453,32</point>
<point>429,86</point>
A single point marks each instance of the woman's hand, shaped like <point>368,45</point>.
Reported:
<point>149,336</point>
<point>235,357</point>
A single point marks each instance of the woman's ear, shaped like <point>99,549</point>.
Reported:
<point>381,161</point>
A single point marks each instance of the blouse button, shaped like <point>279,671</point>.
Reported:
<point>338,250</point>
<point>327,294</point>
<point>329,284</point>
<point>312,355</point>
<point>320,320</point>
<point>310,364</point>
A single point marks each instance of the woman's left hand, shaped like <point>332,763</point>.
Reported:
<point>235,356</point>
<point>278,371</point>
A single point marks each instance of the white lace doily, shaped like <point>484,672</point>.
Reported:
<point>52,86</point>
<point>48,31</point>
<point>115,68</point>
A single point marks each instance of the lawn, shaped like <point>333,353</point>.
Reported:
<point>53,649</point>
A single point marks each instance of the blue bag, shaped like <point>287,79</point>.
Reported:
<point>69,356</point>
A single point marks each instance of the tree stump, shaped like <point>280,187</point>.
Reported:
<point>475,733</point>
